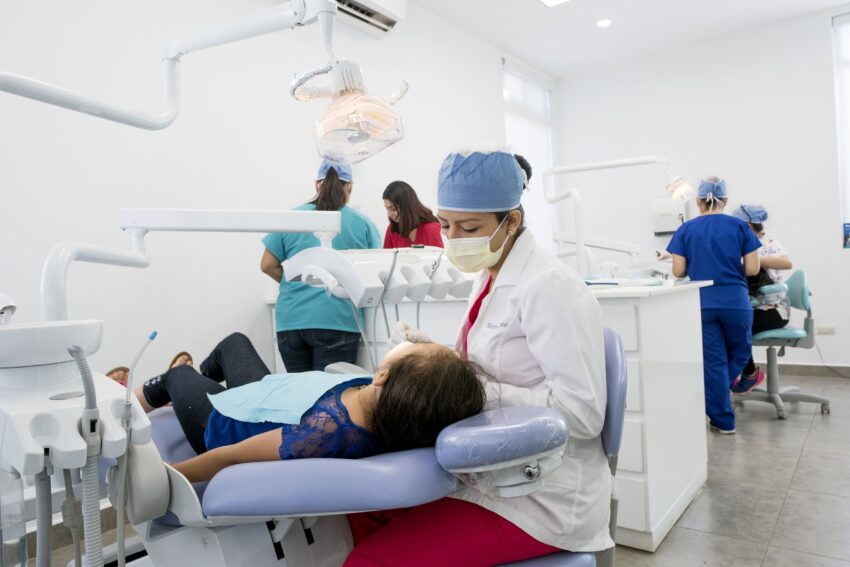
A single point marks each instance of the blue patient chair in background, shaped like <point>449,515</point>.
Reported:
<point>612,435</point>
<point>798,295</point>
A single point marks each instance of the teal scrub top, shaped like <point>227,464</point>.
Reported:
<point>302,306</point>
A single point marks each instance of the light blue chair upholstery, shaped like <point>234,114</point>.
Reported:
<point>776,340</point>
<point>612,435</point>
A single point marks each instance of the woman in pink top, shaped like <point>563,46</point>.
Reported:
<point>411,222</point>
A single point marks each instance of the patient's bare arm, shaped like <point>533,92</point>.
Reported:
<point>263,447</point>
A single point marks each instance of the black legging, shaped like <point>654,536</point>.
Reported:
<point>764,320</point>
<point>234,359</point>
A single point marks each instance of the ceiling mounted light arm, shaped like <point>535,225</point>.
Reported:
<point>552,196</point>
<point>593,166</point>
<point>283,16</point>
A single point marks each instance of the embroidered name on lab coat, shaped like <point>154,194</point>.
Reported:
<point>502,325</point>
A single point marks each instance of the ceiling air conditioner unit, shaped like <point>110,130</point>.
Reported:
<point>374,17</point>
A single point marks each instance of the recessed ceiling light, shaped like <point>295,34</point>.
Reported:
<point>604,23</point>
<point>553,3</point>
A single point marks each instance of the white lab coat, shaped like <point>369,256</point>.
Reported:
<point>539,335</point>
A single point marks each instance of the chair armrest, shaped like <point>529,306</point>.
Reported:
<point>505,452</point>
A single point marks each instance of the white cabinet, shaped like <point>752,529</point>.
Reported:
<point>663,459</point>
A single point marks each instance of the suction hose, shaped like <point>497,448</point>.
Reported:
<point>91,514</point>
<point>72,516</point>
<point>90,429</point>
<point>43,518</point>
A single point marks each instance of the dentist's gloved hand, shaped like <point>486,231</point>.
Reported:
<point>402,332</point>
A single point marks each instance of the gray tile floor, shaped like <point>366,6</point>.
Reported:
<point>778,492</point>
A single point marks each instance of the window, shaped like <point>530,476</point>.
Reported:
<point>528,131</point>
<point>841,36</point>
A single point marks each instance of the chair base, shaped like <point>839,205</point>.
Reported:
<point>778,396</point>
<point>789,394</point>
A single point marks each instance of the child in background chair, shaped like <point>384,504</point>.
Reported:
<point>711,247</point>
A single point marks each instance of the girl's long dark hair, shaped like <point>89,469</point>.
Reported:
<point>424,394</point>
<point>331,195</point>
<point>411,211</point>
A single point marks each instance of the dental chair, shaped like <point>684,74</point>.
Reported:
<point>292,513</point>
<point>798,295</point>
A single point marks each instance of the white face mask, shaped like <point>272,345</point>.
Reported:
<point>474,254</point>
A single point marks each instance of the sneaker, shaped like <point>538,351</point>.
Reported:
<point>745,385</point>
<point>721,431</point>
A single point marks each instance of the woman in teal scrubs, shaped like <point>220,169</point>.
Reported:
<point>314,329</point>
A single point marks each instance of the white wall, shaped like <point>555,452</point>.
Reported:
<point>239,142</point>
<point>755,107</point>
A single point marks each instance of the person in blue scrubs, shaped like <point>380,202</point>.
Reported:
<point>313,329</point>
<point>723,249</point>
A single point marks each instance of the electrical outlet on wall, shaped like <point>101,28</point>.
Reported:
<point>825,330</point>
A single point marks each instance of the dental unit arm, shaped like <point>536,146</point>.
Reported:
<point>582,243</point>
<point>354,127</point>
<point>138,222</point>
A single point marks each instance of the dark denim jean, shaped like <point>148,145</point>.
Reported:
<point>233,360</point>
<point>313,349</point>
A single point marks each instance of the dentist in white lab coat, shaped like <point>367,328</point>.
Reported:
<point>534,327</point>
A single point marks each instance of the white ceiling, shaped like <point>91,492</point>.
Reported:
<point>565,38</point>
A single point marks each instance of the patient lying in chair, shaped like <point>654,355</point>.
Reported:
<point>418,390</point>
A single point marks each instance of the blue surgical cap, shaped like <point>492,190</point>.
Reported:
<point>751,213</point>
<point>706,188</point>
<point>343,171</point>
<point>483,182</point>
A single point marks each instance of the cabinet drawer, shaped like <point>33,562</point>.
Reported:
<point>631,450</point>
<point>621,315</point>
<point>632,513</point>
<point>634,393</point>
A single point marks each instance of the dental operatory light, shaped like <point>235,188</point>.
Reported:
<point>680,189</point>
<point>356,124</point>
<point>353,127</point>
<point>604,23</point>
